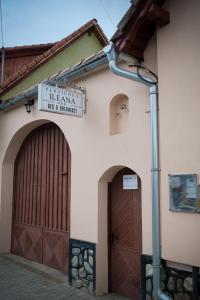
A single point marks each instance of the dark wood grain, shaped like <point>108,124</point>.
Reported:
<point>125,237</point>
<point>40,200</point>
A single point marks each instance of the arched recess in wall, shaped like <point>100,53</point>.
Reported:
<point>103,260</point>
<point>119,114</point>
<point>18,141</point>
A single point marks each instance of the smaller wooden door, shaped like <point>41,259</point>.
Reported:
<point>125,237</point>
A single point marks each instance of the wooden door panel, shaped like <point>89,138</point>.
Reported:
<point>27,242</point>
<point>126,237</point>
<point>121,221</point>
<point>125,280</point>
<point>56,246</point>
<point>41,197</point>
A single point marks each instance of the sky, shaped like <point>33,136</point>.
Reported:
<point>28,22</point>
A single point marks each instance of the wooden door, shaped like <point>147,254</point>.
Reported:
<point>40,230</point>
<point>125,237</point>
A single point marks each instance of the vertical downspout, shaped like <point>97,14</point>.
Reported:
<point>155,186</point>
<point>2,63</point>
<point>155,191</point>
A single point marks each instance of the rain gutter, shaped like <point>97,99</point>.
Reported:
<point>70,74</point>
<point>155,170</point>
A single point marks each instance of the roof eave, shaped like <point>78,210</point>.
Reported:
<point>138,26</point>
<point>59,46</point>
<point>85,67</point>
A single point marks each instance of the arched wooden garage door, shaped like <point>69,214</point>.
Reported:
<point>41,198</point>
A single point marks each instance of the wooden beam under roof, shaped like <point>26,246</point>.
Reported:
<point>138,26</point>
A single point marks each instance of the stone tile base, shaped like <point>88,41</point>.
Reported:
<point>82,265</point>
<point>178,284</point>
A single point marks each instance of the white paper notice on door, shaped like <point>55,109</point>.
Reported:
<point>130,182</point>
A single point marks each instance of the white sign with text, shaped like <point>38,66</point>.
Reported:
<point>130,182</point>
<point>61,101</point>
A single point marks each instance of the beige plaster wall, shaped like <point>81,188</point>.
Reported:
<point>96,157</point>
<point>178,70</point>
<point>94,151</point>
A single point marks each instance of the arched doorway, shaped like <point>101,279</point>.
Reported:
<point>125,233</point>
<point>40,229</point>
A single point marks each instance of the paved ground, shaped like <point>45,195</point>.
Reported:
<point>24,280</point>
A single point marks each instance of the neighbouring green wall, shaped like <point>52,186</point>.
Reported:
<point>80,49</point>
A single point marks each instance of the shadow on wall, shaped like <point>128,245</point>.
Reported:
<point>119,114</point>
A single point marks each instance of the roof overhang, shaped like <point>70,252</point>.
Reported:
<point>89,27</point>
<point>138,26</point>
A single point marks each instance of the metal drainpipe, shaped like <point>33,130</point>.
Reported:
<point>155,186</point>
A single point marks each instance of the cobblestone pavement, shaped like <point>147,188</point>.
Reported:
<point>21,279</point>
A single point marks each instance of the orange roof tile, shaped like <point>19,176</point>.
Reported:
<point>12,51</point>
<point>57,47</point>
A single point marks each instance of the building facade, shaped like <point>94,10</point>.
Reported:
<point>87,179</point>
